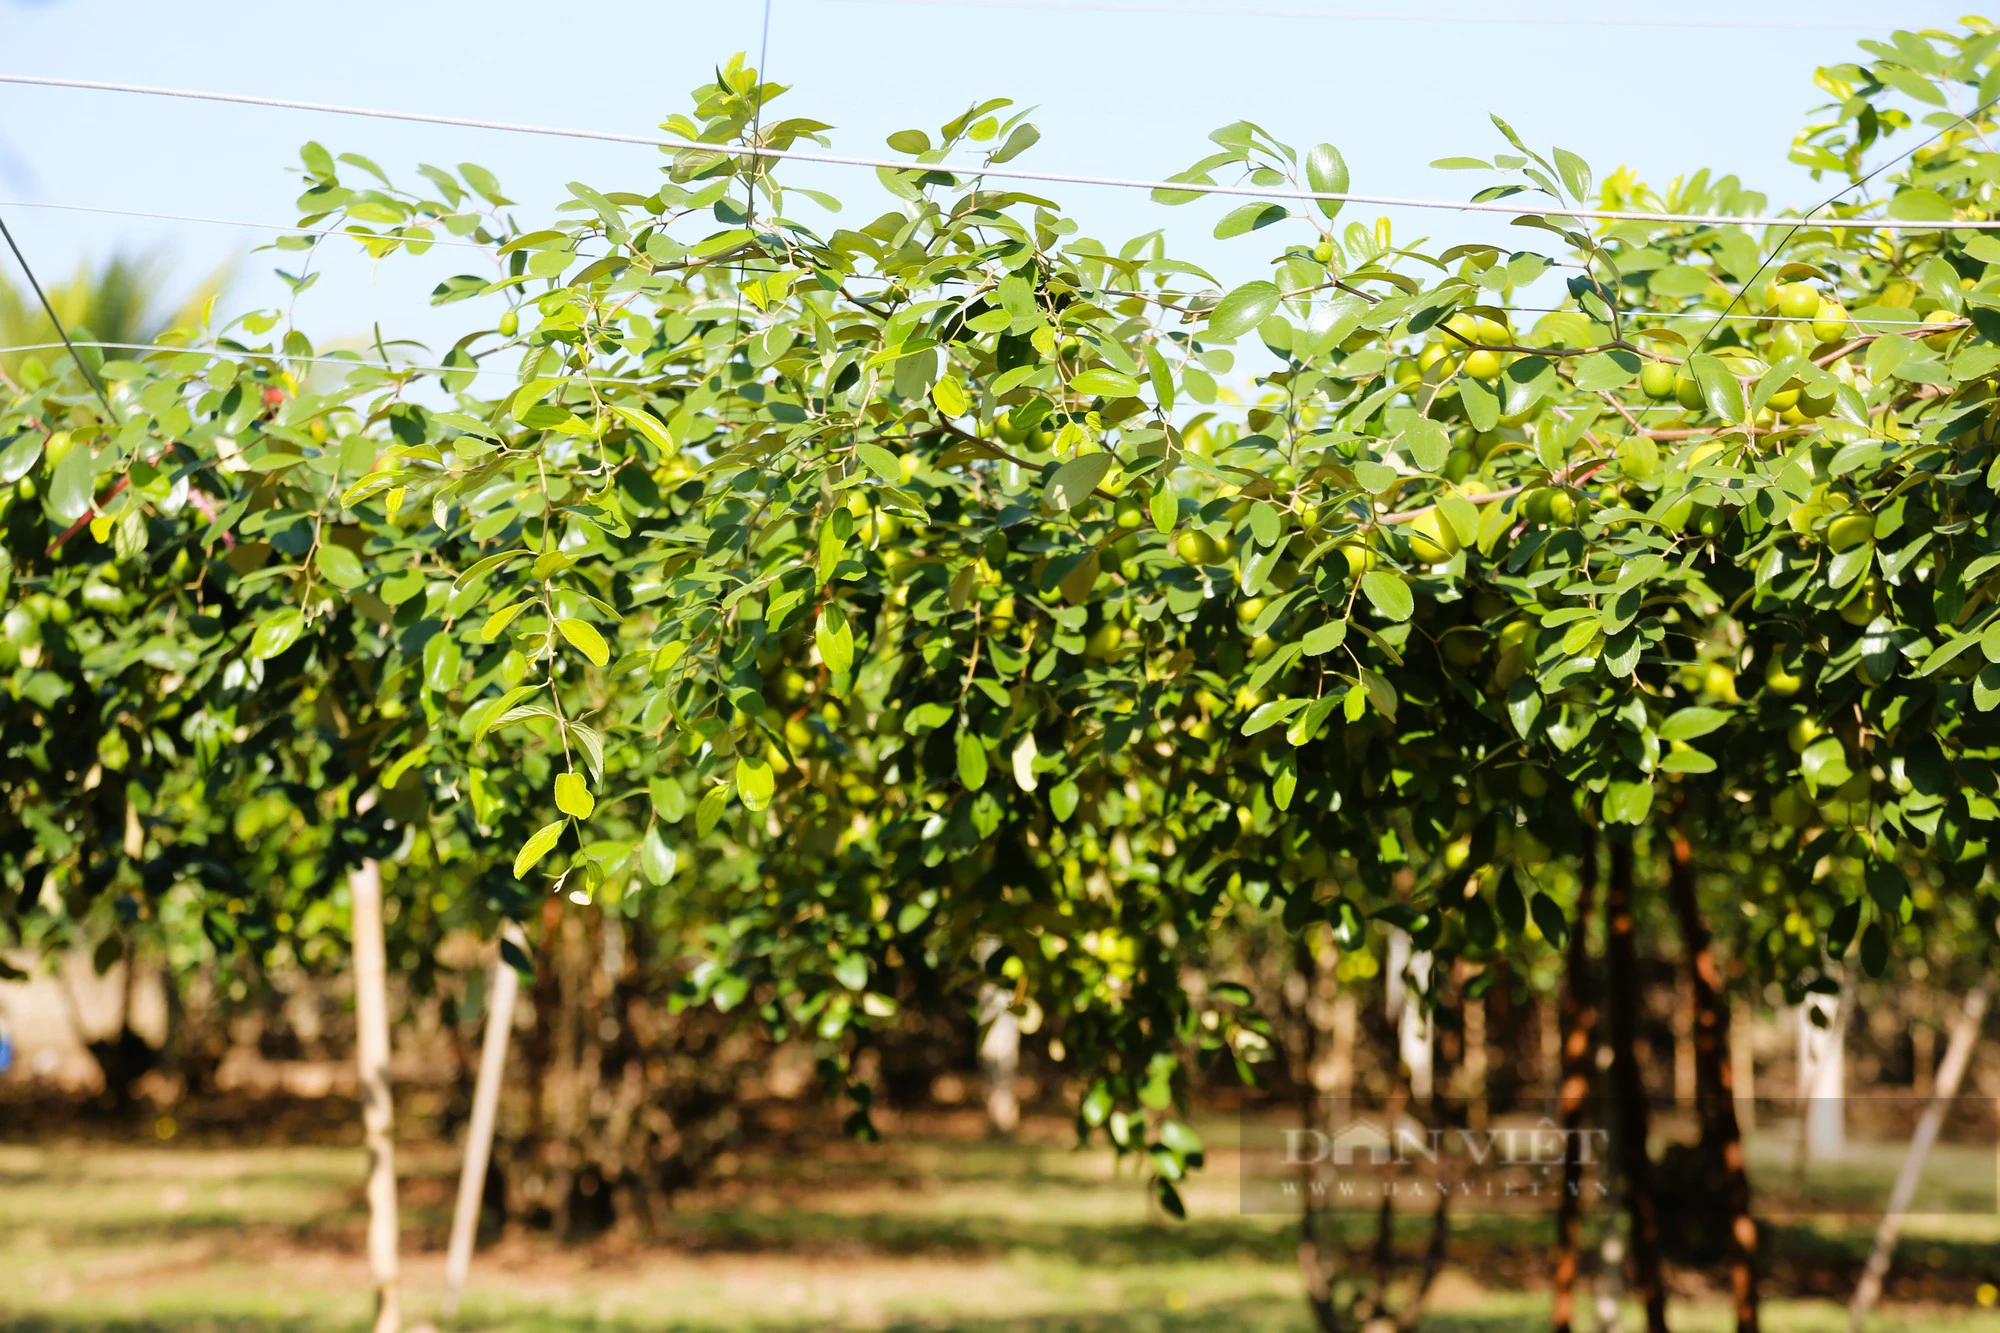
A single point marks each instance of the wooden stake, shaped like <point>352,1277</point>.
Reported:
<point>501,998</point>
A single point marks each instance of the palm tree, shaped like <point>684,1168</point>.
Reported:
<point>119,302</point>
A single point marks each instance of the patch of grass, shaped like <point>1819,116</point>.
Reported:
<point>919,1235</point>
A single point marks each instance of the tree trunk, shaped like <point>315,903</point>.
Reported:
<point>371,1016</point>
<point>1715,1081</point>
<point>1579,1029</point>
<point>1957,1055</point>
<point>1000,1057</point>
<point>501,998</point>
<point>1413,1021</point>
<point>1743,1064</point>
<point>1823,1074</point>
<point>1628,1082</point>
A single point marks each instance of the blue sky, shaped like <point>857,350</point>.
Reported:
<point>1120,91</point>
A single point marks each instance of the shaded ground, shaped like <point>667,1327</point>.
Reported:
<point>927,1232</point>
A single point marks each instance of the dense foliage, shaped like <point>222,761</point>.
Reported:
<point>951,595</point>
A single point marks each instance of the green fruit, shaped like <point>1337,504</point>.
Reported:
<point>25,488</point>
<point>1104,641</point>
<point>510,323</point>
<point>1688,393</point>
<point>1360,558</point>
<point>1657,378</point>
<point>1562,508</point>
<point>1459,464</point>
<point>19,628</point>
<point>1832,322</point>
<point>1803,732</point>
<point>1787,341</point>
<point>1785,397</point>
<point>1262,647</point>
<point>103,597</point>
<point>1461,650</point>
<point>1323,252</point>
<point>1534,784</point>
<point>1130,516</point>
<point>1850,530</point>
<point>1249,609</point>
<point>1483,365</point>
<point>1866,605</point>
<point>1812,404</point>
<point>1791,808</point>
<point>1798,300</point>
<point>1197,548</point>
<point>1781,681</point>
<point>1432,540</point>
<point>1638,459</point>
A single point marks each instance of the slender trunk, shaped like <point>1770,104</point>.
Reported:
<point>1473,1070</point>
<point>1579,1027</point>
<point>1743,1066</point>
<point>1628,1083</point>
<point>500,1002</point>
<point>1000,1057</point>
<point>1823,1076</point>
<point>1314,1269</point>
<point>371,1015</point>
<point>1715,1081</point>
<point>1957,1055</point>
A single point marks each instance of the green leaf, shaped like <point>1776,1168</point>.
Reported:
<point>1267,715</point>
<point>1326,173</point>
<point>656,860</point>
<point>1427,443</point>
<point>1840,935</point>
<point>880,461</point>
<point>341,566</point>
<point>1874,949</point>
<point>1627,802</point>
<point>277,633</point>
<point>583,637</point>
<point>573,795</point>
<point>536,847</point>
<point>1105,383</point>
<point>70,493</point>
<point>1325,639</point>
<point>835,640</point>
<point>1062,801</point>
<point>1524,705</point>
<point>18,459</point>
<point>1074,481</point>
<point>1242,310</point>
<point>1388,594</point>
<point>1248,218</point>
<point>1824,763</point>
<point>1549,919</point>
<point>971,761</point>
<point>755,782</point>
<point>647,425</point>
<point>1166,510</point>
<point>1720,389</point>
<point>497,623</point>
<point>950,397</point>
<point>1689,723</point>
<point>852,971</point>
<point>713,802</point>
